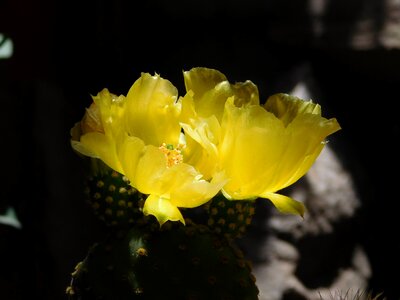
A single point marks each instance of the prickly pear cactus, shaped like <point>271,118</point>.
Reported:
<point>113,200</point>
<point>184,262</point>
<point>141,260</point>
<point>230,218</point>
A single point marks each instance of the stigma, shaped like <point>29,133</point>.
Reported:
<point>173,155</point>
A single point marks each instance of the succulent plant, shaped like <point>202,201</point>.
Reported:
<point>113,200</point>
<point>199,160</point>
<point>176,262</point>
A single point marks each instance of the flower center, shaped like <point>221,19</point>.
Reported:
<point>174,155</point>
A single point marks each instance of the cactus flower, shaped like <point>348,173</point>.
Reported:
<point>261,148</point>
<point>229,141</point>
<point>96,135</point>
<point>140,136</point>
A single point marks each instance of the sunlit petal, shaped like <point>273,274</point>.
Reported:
<point>286,107</point>
<point>200,80</point>
<point>190,189</point>
<point>150,170</point>
<point>152,110</point>
<point>130,151</point>
<point>162,209</point>
<point>211,89</point>
<point>181,152</point>
<point>250,150</point>
<point>286,204</point>
<point>103,147</point>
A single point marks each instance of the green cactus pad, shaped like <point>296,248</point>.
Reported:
<point>230,217</point>
<point>181,263</point>
<point>111,197</point>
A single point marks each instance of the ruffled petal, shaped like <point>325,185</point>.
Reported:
<point>211,89</point>
<point>202,136</point>
<point>245,93</point>
<point>190,189</point>
<point>213,101</point>
<point>286,107</point>
<point>200,80</point>
<point>196,155</point>
<point>111,108</point>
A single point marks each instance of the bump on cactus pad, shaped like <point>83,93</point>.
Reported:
<point>228,217</point>
<point>111,197</point>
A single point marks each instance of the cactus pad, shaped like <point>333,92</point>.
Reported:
<point>185,263</point>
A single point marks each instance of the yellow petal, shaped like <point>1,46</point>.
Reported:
<point>130,151</point>
<point>81,149</point>
<point>189,189</point>
<point>306,139</point>
<point>76,132</point>
<point>252,145</point>
<point>188,112</point>
<point>287,107</point>
<point>286,204</point>
<point>150,171</point>
<point>206,134</point>
<point>197,156</point>
<point>92,120</point>
<point>102,147</point>
<point>245,93</point>
<point>111,109</point>
<point>162,209</point>
<point>261,153</point>
<point>213,101</point>
<point>211,89</point>
<point>152,111</point>
<point>201,80</point>
<point>201,137</point>
<point>96,135</point>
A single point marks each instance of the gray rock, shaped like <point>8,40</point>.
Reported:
<point>314,257</point>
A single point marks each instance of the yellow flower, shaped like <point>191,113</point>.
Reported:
<point>230,141</point>
<point>141,138</point>
<point>262,149</point>
<point>96,134</point>
<point>202,111</point>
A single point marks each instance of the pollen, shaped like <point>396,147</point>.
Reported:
<point>173,155</point>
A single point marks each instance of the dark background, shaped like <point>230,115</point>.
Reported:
<point>67,50</point>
